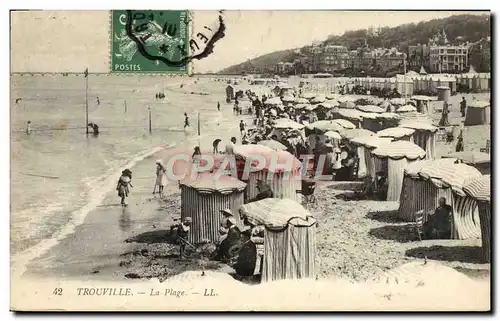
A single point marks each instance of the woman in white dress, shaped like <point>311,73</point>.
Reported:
<point>161,177</point>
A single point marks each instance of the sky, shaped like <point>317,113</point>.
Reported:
<point>70,41</point>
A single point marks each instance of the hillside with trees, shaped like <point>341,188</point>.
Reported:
<point>458,28</point>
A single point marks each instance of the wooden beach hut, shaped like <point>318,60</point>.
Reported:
<point>399,155</point>
<point>478,113</point>
<point>397,133</point>
<point>420,194</point>
<point>289,238</point>
<point>451,178</point>
<point>479,189</point>
<point>202,199</point>
<point>424,136</point>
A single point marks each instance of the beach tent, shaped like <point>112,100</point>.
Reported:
<point>229,92</point>
<point>203,197</point>
<point>284,125</point>
<point>301,100</point>
<point>397,133</point>
<point>360,150</point>
<point>479,189</point>
<point>399,155</point>
<point>420,194</point>
<point>279,169</point>
<point>451,178</point>
<point>481,161</point>
<point>424,136</point>
<point>352,115</point>
<point>273,144</point>
<point>423,105</point>
<point>289,238</point>
<point>422,71</point>
<point>365,145</point>
<point>370,109</point>
<point>478,113</point>
<point>318,99</point>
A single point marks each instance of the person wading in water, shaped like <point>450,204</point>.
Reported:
<point>186,120</point>
<point>123,185</point>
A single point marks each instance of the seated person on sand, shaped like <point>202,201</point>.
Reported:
<point>247,256</point>
<point>381,185</point>
<point>231,236</point>
<point>264,190</point>
<point>438,225</point>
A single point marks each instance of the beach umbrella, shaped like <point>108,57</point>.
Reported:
<point>274,145</point>
<point>274,101</point>
<point>398,101</point>
<point>344,123</point>
<point>288,99</point>
<point>356,132</point>
<point>326,105</point>
<point>396,132</point>
<point>406,109</point>
<point>325,125</point>
<point>318,99</point>
<point>399,149</point>
<point>301,100</point>
<point>371,109</point>
<point>333,135</point>
<point>308,95</point>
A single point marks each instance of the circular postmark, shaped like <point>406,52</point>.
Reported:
<point>163,36</point>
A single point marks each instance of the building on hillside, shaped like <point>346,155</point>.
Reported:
<point>419,56</point>
<point>285,68</point>
<point>334,58</point>
<point>449,58</point>
<point>392,59</point>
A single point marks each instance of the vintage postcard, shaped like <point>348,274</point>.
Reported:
<point>180,160</point>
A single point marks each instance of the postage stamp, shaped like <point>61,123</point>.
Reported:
<point>206,160</point>
<point>149,41</point>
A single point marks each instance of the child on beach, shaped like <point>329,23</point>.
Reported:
<point>161,177</point>
<point>123,185</point>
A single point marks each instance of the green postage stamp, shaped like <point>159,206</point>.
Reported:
<point>150,41</point>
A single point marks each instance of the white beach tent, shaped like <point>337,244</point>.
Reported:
<point>399,155</point>
<point>478,113</point>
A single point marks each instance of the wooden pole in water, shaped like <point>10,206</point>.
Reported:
<point>125,106</point>
<point>87,101</point>
<point>150,129</point>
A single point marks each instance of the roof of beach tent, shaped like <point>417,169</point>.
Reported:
<point>418,125</point>
<point>395,132</point>
<point>308,95</point>
<point>273,144</point>
<point>350,113</point>
<point>471,157</point>
<point>318,99</point>
<point>333,135</point>
<point>208,183</point>
<point>479,188</point>
<point>275,213</point>
<point>287,123</point>
<point>398,150</point>
<point>406,109</point>
<point>325,125</point>
<point>450,175</point>
<point>415,168</point>
<point>347,104</point>
<point>245,151</point>
<point>370,109</point>
<point>288,99</point>
<point>422,97</point>
<point>273,101</point>
<point>398,101</point>
<point>479,104</point>
<point>327,105</point>
<point>356,132</point>
<point>301,100</point>
<point>370,141</point>
<point>344,123</point>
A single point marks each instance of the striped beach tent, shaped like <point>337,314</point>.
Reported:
<point>203,197</point>
<point>352,115</point>
<point>479,188</point>
<point>280,169</point>
<point>478,113</point>
<point>369,143</point>
<point>420,194</point>
<point>397,133</point>
<point>399,155</point>
<point>465,223</point>
<point>289,238</point>
<point>360,150</point>
<point>424,136</point>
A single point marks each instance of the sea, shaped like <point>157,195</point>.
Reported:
<point>59,174</point>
